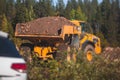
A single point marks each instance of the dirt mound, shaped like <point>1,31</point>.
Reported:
<point>45,25</point>
<point>112,54</point>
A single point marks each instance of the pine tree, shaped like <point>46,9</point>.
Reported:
<point>30,12</point>
<point>2,7</point>
<point>68,9</point>
<point>21,12</point>
<point>118,33</point>
<point>74,4</point>
<point>113,23</point>
<point>93,21</point>
<point>10,9</point>
<point>4,24</point>
<point>94,5</point>
<point>38,10</point>
<point>105,12</point>
<point>29,3</point>
<point>109,21</point>
<point>72,14</point>
<point>44,8</point>
<point>87,9</point>
<point>49,8</point>
<point>79,15</point>
<point>80,3</point>
<point>60,7</point>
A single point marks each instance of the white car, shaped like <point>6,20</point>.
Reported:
<point>12,65</point>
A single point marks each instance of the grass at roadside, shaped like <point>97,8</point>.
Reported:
<point>100,69</point>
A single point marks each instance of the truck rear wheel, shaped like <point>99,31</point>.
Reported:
<point>89,52</point>
<point>61,52</point>
<point>26,51</point>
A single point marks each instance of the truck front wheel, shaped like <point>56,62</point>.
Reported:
<point>89,52</point>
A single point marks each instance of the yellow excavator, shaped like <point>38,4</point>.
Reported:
<point>58,32</point>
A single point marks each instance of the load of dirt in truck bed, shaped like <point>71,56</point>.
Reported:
<point>45,25</point>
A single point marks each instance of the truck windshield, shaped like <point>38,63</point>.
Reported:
<point>86,27</point>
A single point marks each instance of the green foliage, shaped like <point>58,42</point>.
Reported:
<point>77,14</point>
<point>81,70</point>
<point>2,7</point>
<point>104,42</point>
<point>4,23</point>
<point>10,10</point>
<point>72,14</point>
<point>6,26</point>
<point>44,8</point>
<point>60,8</point>
<point>80,15</point>
<point>30,15</point>
<point>21,13</point>
<point>68,9</point>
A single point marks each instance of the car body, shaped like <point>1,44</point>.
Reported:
<point>12,65</point>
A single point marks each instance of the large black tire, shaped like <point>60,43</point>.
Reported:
<point>89,52</point>
<point>60,54</point>
<point>26,51</point>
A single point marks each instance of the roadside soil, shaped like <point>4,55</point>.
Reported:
<point>111,53</point>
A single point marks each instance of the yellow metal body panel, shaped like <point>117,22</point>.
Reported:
<point>38,50</point>
<point>98,47</point>
<point>42,52</point>
<point>90,37</point>
<point>69,30</point>
<point>77,22</point>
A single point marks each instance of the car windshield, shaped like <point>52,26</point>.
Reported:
<point>7,48</point>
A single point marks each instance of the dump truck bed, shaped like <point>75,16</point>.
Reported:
<point>46,28</point>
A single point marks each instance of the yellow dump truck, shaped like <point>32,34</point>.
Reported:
<point>48,34</point>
